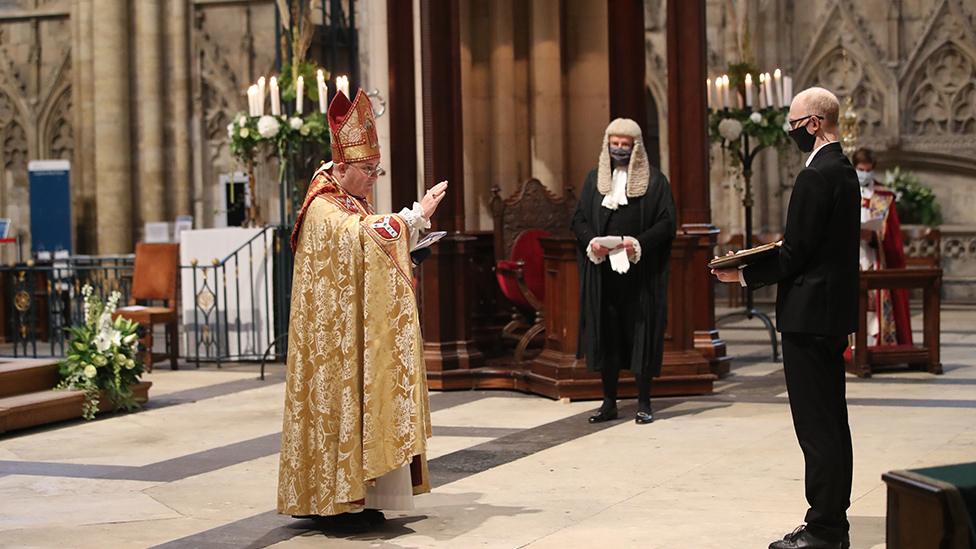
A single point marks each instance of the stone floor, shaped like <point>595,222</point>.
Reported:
<point>198,468</point>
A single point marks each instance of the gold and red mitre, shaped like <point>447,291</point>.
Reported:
<point>353,129</point>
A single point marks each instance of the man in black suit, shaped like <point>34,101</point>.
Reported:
<point>816,271</point>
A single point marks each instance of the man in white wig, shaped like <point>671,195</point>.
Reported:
<point>624,225</point>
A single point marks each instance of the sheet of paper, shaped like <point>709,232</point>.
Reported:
<point>609,241</point>
<point>131,308</point>
<point>429,239</point>
<point>875,224</point>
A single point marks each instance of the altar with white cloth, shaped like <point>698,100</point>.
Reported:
<point>227,295</point>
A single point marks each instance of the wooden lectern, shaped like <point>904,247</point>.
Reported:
<point>557,373</point>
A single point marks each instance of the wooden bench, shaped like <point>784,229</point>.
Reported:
<point>924,357</point>
<point>924,510</point>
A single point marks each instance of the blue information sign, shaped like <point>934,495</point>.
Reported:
<point>50,205</point>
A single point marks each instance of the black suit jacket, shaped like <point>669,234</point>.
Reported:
<point>817,267</point>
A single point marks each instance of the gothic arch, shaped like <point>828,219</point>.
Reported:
<point>939,92</point>
<point>57,137</point>
<point>841,58</point>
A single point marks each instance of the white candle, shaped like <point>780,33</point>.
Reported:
<point>275,97</point>
<point>252,100</point>
<point>749,91</point>
<point>342,84</point>
<point>299,94</point>
<point>719,104</point>
<point>778,86</point>
<point>261,96</point>
<point>708,90</point>
<point>323,92</point>
<point>768,90</point>
<point>788,90</point>
<point>725,91</point>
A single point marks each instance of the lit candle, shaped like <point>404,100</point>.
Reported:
<point>788,91</point>
<point>778,86</point>
<point>708,90</point>
<point>725,91</point>
<point>252,100</point>
<point>299,94</point>
<point>275,98</point>
<point>768,90</point>
<point>342,84</point>
<point>749,91</point>
<point>718,93</point>
<point>323,92</point>
<point>261,96</point>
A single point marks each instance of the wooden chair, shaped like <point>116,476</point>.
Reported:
<point>521,220</point>
<point>155,279</point>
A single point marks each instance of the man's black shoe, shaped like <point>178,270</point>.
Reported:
<point>604,415</point>
<point>801,538</point>
<point>643,418</point>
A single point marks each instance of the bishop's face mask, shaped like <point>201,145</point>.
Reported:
<point>865,178</point>
<point>620,155</point>
<point>803,139</point>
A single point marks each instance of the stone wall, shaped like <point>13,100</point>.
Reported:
<point>910,67</point>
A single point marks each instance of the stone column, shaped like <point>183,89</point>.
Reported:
<point>546,95</point>
<point>177,80</point>
<point>502,85</point>
<point>113,161</point>
<point>150,195</point>
<point>83,166</point>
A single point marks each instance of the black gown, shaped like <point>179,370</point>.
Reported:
<point>623,317</point>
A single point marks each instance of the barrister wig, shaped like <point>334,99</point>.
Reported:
<point>638,171</point>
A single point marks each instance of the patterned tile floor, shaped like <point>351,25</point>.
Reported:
<point>198,468</point>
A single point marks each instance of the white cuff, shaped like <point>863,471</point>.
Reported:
<point>637,249</point>
<point>742,278</point>
<point>415,217</point>
<point>593,258</point>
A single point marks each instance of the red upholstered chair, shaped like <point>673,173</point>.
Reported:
<point>531,213</point>
<point>523,282</point>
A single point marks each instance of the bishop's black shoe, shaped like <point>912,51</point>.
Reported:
<point>643,418</point>
<point>801,538</point>
<point>374,516</point>
<point>604,414</point>
<point>346,523</point>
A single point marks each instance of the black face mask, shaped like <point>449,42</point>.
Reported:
<point>620,155</point>
<point>803,139</point>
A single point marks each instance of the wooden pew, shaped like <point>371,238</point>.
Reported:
<point>924,510</point>
<point>925,356</point>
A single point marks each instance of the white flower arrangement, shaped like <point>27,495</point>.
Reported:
<point>730,129</point>
<point>296,123</point>
<point>102,355</point>
<point>756,118</point>
<point>268,126</point>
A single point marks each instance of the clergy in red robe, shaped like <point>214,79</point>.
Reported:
<point>889,319</point>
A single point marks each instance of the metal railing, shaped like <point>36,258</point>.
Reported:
<point>42,300</point>
<point>233,309</point>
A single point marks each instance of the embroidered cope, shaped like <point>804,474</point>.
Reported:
<point>356,405</point>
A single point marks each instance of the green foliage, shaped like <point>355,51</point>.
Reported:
<point>915,202</point>
<point>102,356</point>
<point>289,75</point>
<point>765,128</point>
